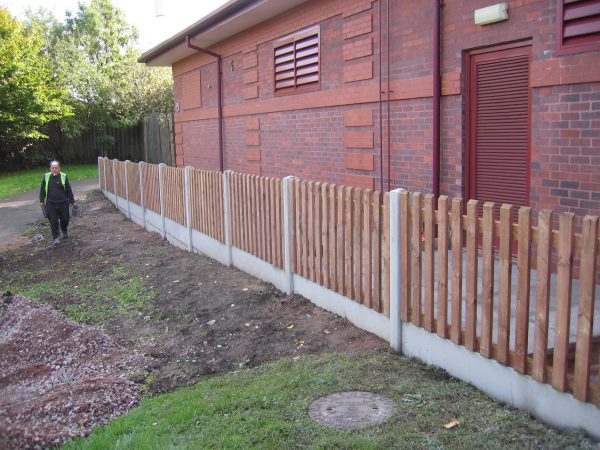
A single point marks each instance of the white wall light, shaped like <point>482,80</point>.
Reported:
<point>491,14</point>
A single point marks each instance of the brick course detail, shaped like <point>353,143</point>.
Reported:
<point>333,133</point>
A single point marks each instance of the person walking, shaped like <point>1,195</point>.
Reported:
<point>56,195</point>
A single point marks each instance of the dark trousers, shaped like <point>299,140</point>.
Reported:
<point>58,212</point>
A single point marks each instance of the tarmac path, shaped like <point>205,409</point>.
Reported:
<point>19,212</point>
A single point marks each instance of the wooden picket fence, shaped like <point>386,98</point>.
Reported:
<point>206,189</point>
<point>455,272</point>
<point>430,238</point>
<point>257,216</point>
<point>337,240</point>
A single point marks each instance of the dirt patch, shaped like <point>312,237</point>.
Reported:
<point>198,317</point>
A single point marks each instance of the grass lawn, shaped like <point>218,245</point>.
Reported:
<point>15,182</point>
<point>266,407</point>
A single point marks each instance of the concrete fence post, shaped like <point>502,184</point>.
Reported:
<point>104,169</point>
<point>115,183</point>
<point>395,319</point>
<point>142,201</point>
<point>227,217</point>
<point>287,234</point>
<point>100,179</point>
<point>127,189</point>
<point>163,231</point>
<point>188,207</point>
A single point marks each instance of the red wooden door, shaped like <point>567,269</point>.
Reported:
<point>499,127</point>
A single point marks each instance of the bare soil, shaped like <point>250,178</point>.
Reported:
<point>205,319</point>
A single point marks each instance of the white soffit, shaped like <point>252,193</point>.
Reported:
<point>175,49</point>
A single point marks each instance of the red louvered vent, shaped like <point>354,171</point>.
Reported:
<point>500,127</point>
<point>579,25</point>
<point>297,61</point>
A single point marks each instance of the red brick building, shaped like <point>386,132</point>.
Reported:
<point>348,91</point>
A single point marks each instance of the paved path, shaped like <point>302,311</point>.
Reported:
<point>19,212</point>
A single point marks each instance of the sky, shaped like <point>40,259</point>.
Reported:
<point>153,29</point>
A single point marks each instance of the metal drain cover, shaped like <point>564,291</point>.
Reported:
<point>348,410</point>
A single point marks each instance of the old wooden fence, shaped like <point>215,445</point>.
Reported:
<point>507,291</point>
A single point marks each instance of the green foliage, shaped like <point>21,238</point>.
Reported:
<point>267,408</point>
<point>30,95</point>
<point>77,73</point>
<point>94,52</point>
<point>15,182</point>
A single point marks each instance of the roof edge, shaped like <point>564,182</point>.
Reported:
<point>209,21</point>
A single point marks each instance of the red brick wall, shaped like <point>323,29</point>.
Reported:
<point>333,134</point>
<point>566,148</point>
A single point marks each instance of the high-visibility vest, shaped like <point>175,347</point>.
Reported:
<point>63,178</point>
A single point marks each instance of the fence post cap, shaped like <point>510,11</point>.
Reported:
<point>398,190</point>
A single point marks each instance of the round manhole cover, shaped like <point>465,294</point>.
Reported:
<point>348,410</point>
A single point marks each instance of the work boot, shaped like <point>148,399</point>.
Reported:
<point>56,241</point>
<point>65,235</point>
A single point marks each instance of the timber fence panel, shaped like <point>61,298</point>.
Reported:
<point>585,319</point>
<point>339,234</point>
<point>133,183</point>
<point>504,306</point>
<point>563,308</point>
<point>442,261</point>
<point>325,235</point>
<point>174,195</point>
<point>331,236</point>
<point>385,259</point>
<point>524,260</point>
<point>357,244</point>
<point>101,177</point>
<point>110,182</point>
<point>457,275</point>
<point>120,175</point>
<point>542,303</point>
<point>428,263</point>
<point>472,238</point>
<point>487,286</point>
<point>375,231</point>
<point>151,187</point>
<point>404,255</point>
<point>415,258</point>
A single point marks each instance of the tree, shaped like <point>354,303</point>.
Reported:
<point>30,94</point>
<point>94,51</point>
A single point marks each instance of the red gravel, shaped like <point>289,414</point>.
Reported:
<point>58,379</point>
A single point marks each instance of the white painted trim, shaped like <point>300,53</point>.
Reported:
<point>503,383</point>
<point>358,314</point>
